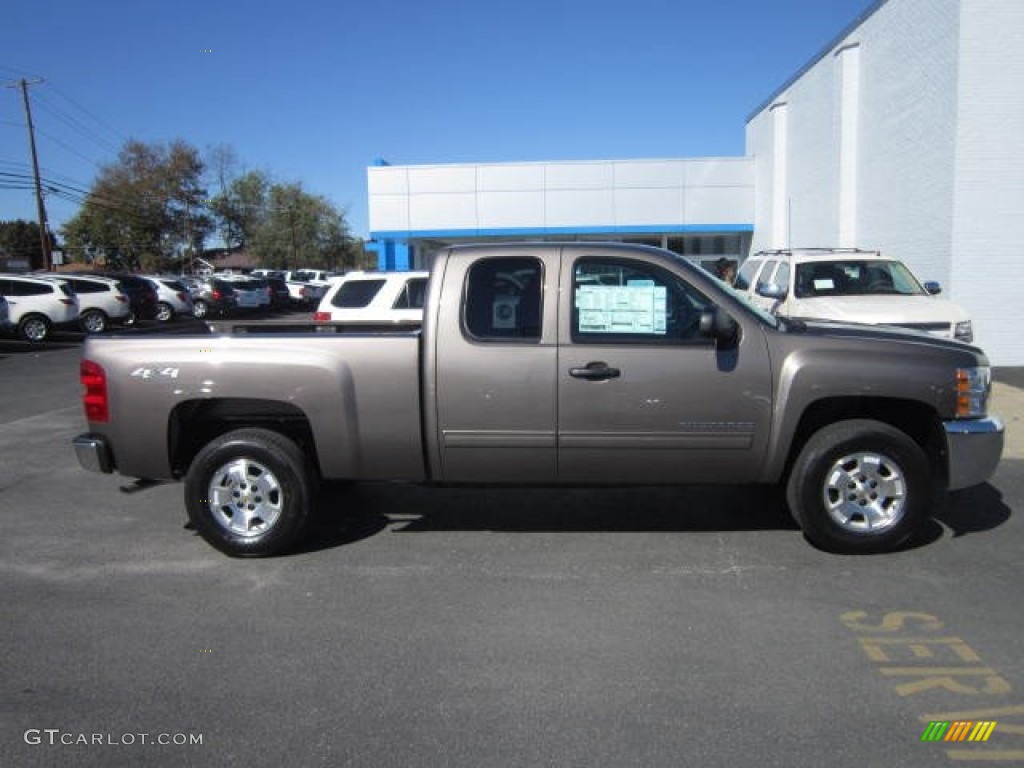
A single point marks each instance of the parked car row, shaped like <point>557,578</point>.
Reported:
<point>306,287</point>
<point>41,302</point>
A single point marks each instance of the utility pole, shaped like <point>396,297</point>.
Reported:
<point>44,235</point>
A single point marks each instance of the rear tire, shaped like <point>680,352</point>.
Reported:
<point>164,312</point>
<point>249,493</point>
<point>34,328</point>
<point>859,486</point>
<point>93,321</point>
<point>199,309</point>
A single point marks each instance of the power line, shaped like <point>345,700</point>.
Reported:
<point>98,120</point>
<point>75,124</point>
<point>69,148</point>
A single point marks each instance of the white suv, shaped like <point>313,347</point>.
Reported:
<point>374,297</point>
<point>172,297</point>
<point>101,301</point>
<point>849,285</point>
<point>38,304</point>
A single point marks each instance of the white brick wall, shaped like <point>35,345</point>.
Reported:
<point>940,155</point>
<point>988,214</point>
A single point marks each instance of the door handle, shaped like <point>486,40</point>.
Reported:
<point>596,371</point>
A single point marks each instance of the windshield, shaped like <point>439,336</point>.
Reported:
<point>854,277</point>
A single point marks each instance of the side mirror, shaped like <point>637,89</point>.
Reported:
<point>719,325</point>
<point>772,291</point>
<point>933,287</point>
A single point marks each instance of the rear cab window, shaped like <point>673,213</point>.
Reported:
<point>356,294</point>
<point>503,299</point>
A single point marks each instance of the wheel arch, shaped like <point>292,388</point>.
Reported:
<point>917,420</point>
<point>195,423</point>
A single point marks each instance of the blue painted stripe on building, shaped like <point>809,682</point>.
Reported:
<point>668,229</point>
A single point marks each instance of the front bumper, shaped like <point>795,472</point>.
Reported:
<point>93,453</point>
<point>974,448</point>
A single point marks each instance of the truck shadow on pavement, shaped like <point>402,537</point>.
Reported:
<point>346,513</point>
<point>973,510</point>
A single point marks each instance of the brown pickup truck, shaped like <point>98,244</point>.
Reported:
<point>548,364</point>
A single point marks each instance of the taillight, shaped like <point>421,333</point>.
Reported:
<point>216,295</point>
<point>181,298</point>
<point>305,292</point>
<point>69,302</point>
<point>121,297</point>
<point>94,379</point>
<point>322,317</point>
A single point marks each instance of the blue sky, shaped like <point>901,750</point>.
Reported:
<point>314,91</point>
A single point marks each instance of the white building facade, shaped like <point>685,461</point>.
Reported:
<point>702,208</point>
<point>905,134</point>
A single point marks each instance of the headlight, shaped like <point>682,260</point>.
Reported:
<point>972,388</point>
<point>963,331</point>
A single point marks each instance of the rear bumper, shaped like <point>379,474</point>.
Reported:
<point>974,449</point>
<point>93,453</point>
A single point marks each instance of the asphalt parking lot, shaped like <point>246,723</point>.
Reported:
<point>499,627</point>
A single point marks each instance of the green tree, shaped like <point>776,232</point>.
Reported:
<point>19,239</point>
<point>146,209</point>
<point>240,209</point>
<point>282,225</point>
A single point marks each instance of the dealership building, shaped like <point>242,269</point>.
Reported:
<point>906,134</point>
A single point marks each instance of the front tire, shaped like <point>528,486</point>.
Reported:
<point>164,312</point>
<point>859,486</point>
<point>249,493</point>
<point>199,309</point>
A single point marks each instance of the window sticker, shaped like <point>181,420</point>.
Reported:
<point>824,284</point>
<point>633,308</point>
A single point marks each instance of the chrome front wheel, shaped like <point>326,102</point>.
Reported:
<point>859,486</point>
<point>865,492</point>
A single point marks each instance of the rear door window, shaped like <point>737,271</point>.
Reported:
<point>89,286</point>
<point>412,295</point>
